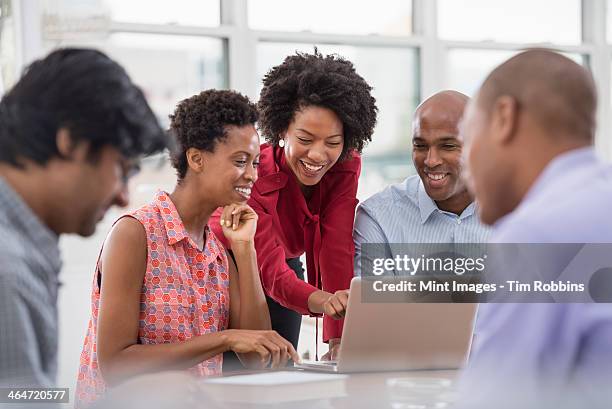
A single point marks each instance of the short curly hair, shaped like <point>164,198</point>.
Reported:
<point>201,121</point>
<point>331,82</point>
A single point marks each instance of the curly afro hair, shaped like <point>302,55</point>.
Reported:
<point>200,122</point>
<point>331,82</point>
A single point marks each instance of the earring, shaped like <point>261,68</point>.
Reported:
<point>281,143</point>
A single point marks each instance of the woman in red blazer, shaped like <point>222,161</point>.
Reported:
<point>316,114</point>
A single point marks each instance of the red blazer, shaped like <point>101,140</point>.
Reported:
<point>289,225</point>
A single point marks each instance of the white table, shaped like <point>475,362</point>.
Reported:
<point>425,389</point>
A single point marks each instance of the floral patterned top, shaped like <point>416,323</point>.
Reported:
<point>185,293</point>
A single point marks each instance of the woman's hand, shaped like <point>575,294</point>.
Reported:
<point>336,304</point>
<point>334,348</point>
<point>333,305</point>
<point>267,345</point>
<point>239,223</point>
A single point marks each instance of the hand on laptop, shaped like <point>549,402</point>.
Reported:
<point>334,348</point>
<point>265,347</point>
<point>335,305</point>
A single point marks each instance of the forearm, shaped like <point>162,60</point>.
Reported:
<point>254,313</point>
<point>138,359</point>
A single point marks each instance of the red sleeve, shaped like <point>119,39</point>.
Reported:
<point>278,279</point>
<point>337,251</point>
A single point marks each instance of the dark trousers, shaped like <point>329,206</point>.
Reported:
<point>284,321</point>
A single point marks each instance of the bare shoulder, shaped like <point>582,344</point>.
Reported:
<point>127,233</point>
<point>125,246</point>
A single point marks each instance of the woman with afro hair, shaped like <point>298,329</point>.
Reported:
<point>316,114</point>
<point>165,293</point>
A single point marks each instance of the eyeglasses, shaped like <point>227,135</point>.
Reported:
<point>129,168</point>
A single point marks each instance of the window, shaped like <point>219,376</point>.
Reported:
<point>184,65</point>
<point>176,12</point>
<point>519,21</point>
<point>467,68</point>
<point>8,51</point>
<point>389,17</point>
<point>609,21</point>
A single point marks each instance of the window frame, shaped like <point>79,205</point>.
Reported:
<point>241,44</point>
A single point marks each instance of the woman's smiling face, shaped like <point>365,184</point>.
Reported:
<point>313,143</point>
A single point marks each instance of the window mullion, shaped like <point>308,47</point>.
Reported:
<point>594,33</point>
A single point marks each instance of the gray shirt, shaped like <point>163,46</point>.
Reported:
<point>29,267</point>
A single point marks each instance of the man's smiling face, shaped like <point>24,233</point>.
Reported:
<point>436,149</point>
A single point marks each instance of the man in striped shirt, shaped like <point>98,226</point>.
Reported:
<point>432,206</point>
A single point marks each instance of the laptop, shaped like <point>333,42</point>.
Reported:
<point>382,336</point>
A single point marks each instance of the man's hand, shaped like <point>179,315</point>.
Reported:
<point>239,223</point>
<point>336,304</point>
<point>268,345</point>
<point>334,348</point>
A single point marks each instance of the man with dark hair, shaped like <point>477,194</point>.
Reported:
<point>528,139</point>
<point>71,132</point>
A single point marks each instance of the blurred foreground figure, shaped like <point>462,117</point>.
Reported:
<point>528,139</point>
<point>71,132</point>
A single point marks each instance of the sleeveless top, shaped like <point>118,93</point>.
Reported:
<point>185,293</point>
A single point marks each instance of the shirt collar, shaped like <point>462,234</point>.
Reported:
<point>21,216</point>
<point>468,211</point>
<point>558,168</point>
<point>561,169</point>
<point>175,229</point>
<point>427,205</point>
<point>275,171</point>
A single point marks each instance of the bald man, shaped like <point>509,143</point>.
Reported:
<point>528,144</point>
<point>432,206</point>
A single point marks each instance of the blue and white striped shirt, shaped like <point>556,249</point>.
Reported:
<point>404,213</point>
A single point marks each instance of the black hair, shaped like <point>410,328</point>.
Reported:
<point>85,92</point>
<point>201,121</point>
<point>330,82</point>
